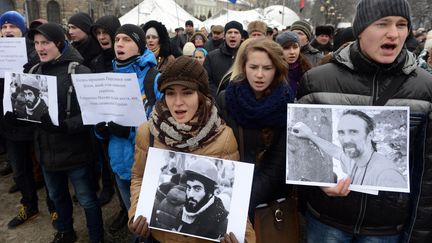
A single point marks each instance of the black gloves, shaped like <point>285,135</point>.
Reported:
<point>10,118</point>
<point>102,129</point>
<point>118,130</point>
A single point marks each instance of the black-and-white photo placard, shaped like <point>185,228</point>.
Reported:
<point>195,195</point>
<point>369,144</point>
<point>29,96</point>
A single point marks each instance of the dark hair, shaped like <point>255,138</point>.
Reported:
<point>304,63</point>
<point>370,123</point>
<point>35,91</point>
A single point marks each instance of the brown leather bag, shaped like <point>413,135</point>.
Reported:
<point>277,222</point>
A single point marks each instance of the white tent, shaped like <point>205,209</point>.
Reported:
<point>281,14</point>
<point>166,11</point>
<point>269,15</point>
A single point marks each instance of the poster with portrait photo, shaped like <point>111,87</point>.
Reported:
<point>195,195</point>
<point>30,96</point>
<point>370,144</point>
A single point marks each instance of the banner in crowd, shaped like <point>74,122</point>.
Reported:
<point>194,195</point>
<point>326,143</point>
<point>13,55</point>
<point>30,96</point>
<point>109,97</point>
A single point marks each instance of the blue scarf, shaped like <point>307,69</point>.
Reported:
<point>247,111</point>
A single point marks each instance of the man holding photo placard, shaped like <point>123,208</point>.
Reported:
<point>376,69</point>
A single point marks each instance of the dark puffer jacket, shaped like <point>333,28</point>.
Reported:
<point>70,146</point>
<point>352,79</point>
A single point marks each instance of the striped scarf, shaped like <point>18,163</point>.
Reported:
<point>185,137</point>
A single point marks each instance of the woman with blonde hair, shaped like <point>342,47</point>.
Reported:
<point>254,105</point>
<point>186,120</point>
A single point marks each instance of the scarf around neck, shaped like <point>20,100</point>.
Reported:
<point>185,137</point>
<point>249,112</point>
<point>156,51</point>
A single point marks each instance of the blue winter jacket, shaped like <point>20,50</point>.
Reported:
<point>121,150</point>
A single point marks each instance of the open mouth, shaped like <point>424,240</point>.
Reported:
<point>120,53</point>
<point>42,55</point>
<point>180,112</point>
<point>104,43</point>
<point>389,47</point>
<point>259,84</point>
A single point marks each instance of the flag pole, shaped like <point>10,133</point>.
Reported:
<point>283,12</point>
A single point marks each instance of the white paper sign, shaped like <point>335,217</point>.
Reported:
<point>30,96</point>
<point>370,144</point>
<point>109,97</point>
<point>13,55</point>
<point>232,189</point>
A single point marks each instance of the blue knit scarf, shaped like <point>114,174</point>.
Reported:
<point>247,111</point>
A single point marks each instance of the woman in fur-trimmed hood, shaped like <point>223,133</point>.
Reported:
<point>158,42</point>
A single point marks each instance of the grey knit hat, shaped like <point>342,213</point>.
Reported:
<point>303,26</point>
<point>369,11</point>
<point>287,36</point>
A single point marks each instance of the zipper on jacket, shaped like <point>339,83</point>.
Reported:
<point>361,215</point>
<point>375,89</point>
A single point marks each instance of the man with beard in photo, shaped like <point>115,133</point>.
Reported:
<point>35,107</point>
<point>203,213</point>
<point>358,155</point>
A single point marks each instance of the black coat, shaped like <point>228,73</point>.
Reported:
<point>352,79</point>
<point>71,145</point>
<point>211,44</point>
<point>269,174</point>
<point>312,55</point>
<point>88,49</point>
<point>217,64</point>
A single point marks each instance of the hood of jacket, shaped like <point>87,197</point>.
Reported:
<point>352,58</point>
<point>110,23</point>
<point>164,41</point>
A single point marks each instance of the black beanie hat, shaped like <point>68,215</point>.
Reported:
<point>82,21</point>
<point>52,31</point>
<point>233,24</point>
<point>303,26</point>
<point>185,71</point>
<point>135,33</point>
<point>369,11</point>
<point>109,22</point>
<point>189,23</point>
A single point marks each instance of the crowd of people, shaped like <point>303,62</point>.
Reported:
<point>221,93</point>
